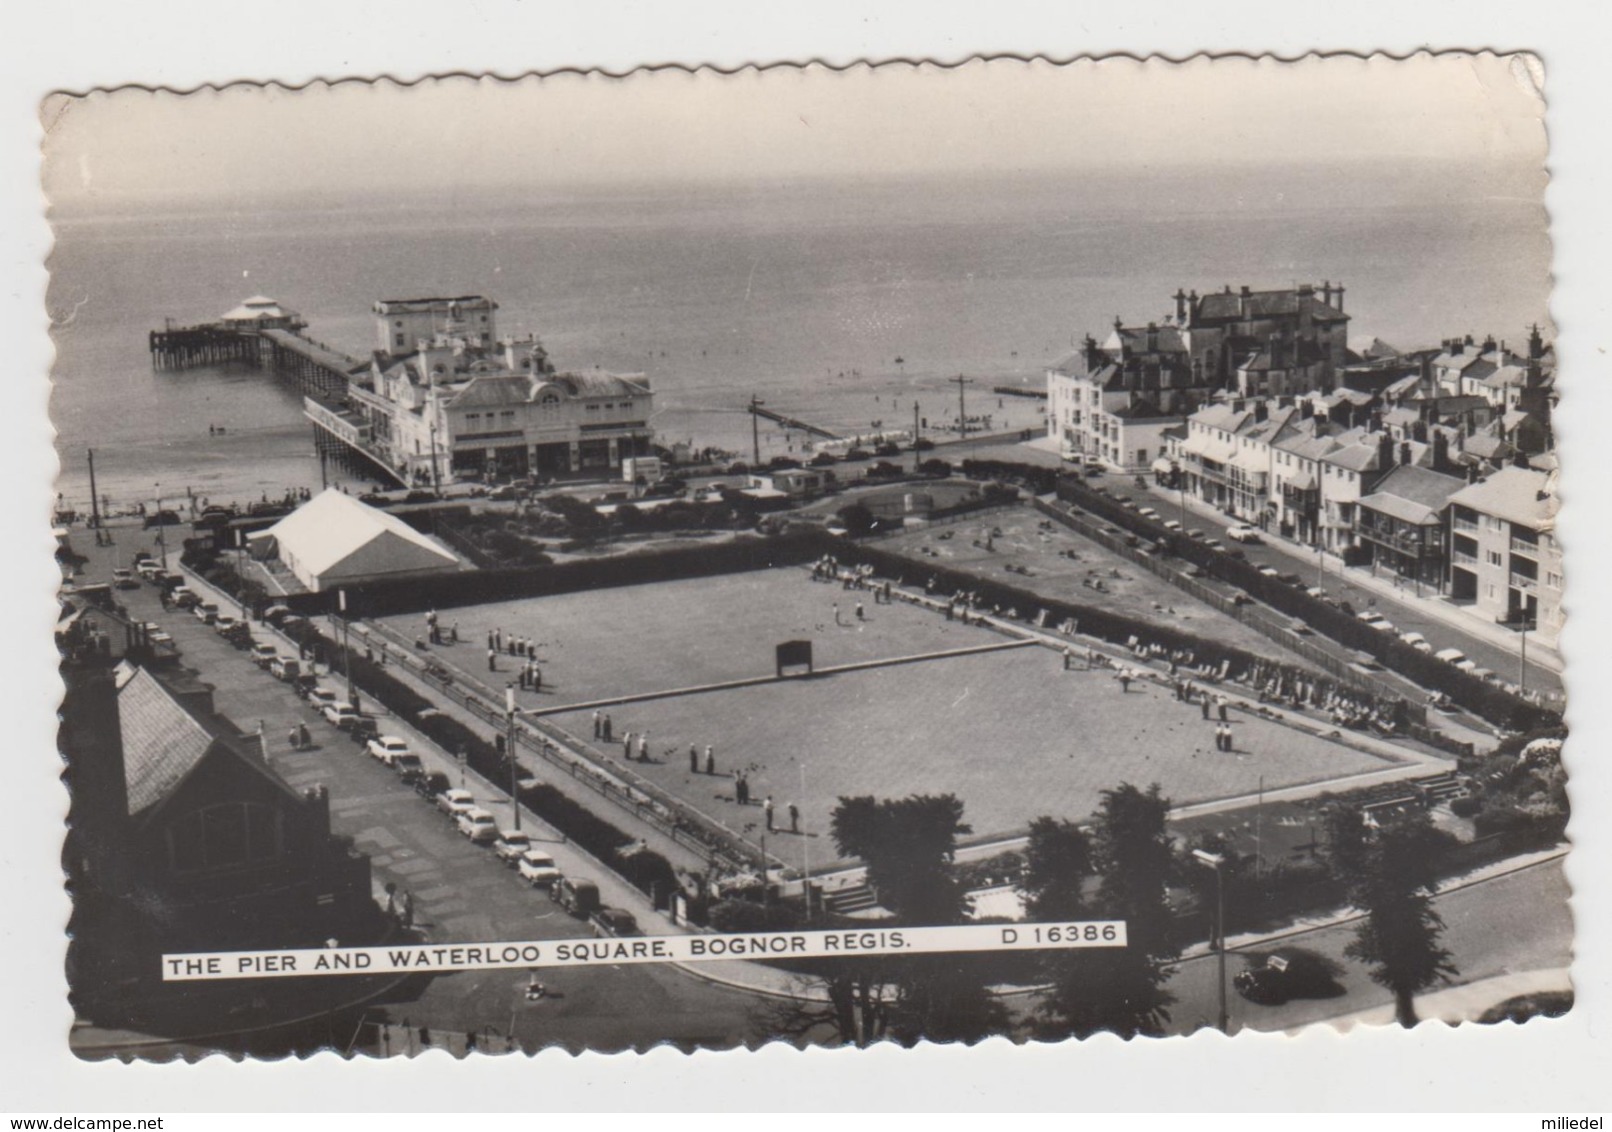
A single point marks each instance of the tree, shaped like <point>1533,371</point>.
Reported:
<point>856,517</point>
<point>1057,863</point>
<point>1392,878</point>
<point>907,846</point>
<point>1120,989</point>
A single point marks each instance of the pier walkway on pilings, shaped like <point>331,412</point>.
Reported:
<point>181,347</point>
<point>791,422</point>
<point>314,366</point>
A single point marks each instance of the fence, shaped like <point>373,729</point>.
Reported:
<point>1253,617</point>
<point>645,801</point>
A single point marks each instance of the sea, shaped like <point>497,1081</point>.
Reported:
<point>845,303</point>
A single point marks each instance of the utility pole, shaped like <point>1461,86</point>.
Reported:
<point>917,457</point>
<point>95,506</point>
<point>436,483</point>
<point>805,844</point>
<point>755,429</point>
<point>162,529</point>
<point>962,412</point>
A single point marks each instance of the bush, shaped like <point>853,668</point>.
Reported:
<point>1466,806</point>
<point>938,468</point>
<point>750,916</point>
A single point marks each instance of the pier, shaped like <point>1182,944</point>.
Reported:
<point>791,422</point>
<point>182,347</point>
<point>264,335</point>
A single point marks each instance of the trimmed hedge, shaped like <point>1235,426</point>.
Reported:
<point>382,599</point>
<point>646,870</point>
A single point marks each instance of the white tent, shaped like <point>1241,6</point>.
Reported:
<point>334,540</point>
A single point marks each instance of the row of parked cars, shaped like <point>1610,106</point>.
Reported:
<point>515,848</point>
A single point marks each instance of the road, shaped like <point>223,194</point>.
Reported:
<point>461,892</point>
<point>1510,924</point>
<point>1408,614</point>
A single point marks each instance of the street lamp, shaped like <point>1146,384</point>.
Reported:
<point>509,751</point>
<point>1519,622</point>
<point>1216,861</point>
<point>162,541</point>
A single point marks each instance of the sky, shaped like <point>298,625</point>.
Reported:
<point>129,146</point>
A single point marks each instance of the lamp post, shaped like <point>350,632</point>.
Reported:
<point>346,655</point>
<point>509,751</point>
<point>755,429</point>
<point>1216,861</point>
<point>1519,622</point>
<point>162,541</point>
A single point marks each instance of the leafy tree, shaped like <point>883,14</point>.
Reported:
<point>1392,878</point>
<point>857,518</point>
<point>1057,862</point>
<point>907,846</point>
<point>1120,989</point>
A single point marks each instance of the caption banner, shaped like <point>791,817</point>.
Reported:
<point>643,949</point>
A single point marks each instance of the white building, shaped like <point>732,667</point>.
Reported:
<point>334,540</point>
<point>456,407</point>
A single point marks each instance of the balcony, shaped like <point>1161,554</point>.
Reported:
<point>1465,526</point>
<point>1524,546</point>
<point>1523,582</point>
<point>1461,558</point>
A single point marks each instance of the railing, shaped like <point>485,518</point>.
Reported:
<point>1465,526</point>
<point>1524,546</point>
<point>1462,558</point>
<point>1523,582</point>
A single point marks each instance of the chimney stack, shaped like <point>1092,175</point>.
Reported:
<point>1338,291</point>
<point>1385,452</point>
<point>1536,344</point>
<point>1261,411</point>
<point>1404,452</point>
<point>1180,306</point>
<point>1441,452</point>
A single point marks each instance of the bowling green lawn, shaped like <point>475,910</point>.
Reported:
<point>1010,733</point>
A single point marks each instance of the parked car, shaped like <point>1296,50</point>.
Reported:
<point>1287,974</point>
<point>1214,544</point>
<point>387,747</point>
<point>1468,666</point>
<point>1370,616</point>
<point>362,730</point>
<point>186,598</point>
<point>322,696</point>
<point>1171,525</point>
<point>163,518</point>
<point>206,611</point>
<point>147,567</point>
<point>408,767</point>
<point>286,668</point>
<point>123,579</point>
<point>263,654</point>
<point>1416,641</point>
<point>478,825</point>
<point>340,714</point>
<point>578,897</point>
<point>454,802</point>
<point>614,921</point>
<point>1195,533</point>
<point>511,845</point>
<point>1243,532</point>
<point>538,868</point>
<point>431,785</point>
<point>223,623</point>
<point>238,634</point>
<point>157,635</point>
<point>1148,513</point>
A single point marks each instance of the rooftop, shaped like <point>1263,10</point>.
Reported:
<point>1519,495</point>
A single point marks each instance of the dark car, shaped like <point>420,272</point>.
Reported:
<point>614,921</point>
<point>429,785</point>
<point>887,450</point>
<point>1287,974</point>
<point>363,729</point>
<point>419,497</point>
<point>163,518</point>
